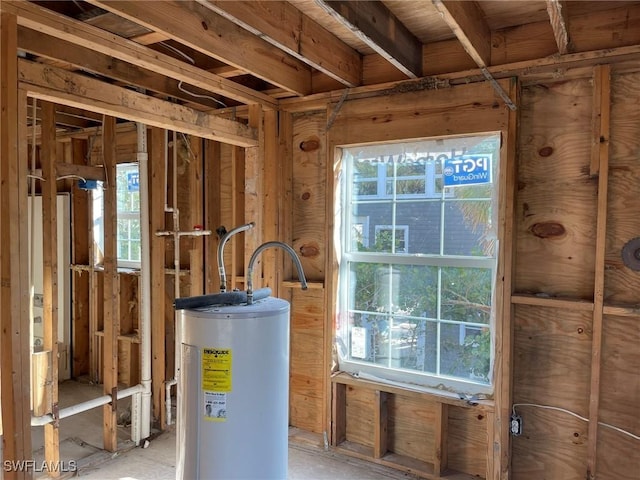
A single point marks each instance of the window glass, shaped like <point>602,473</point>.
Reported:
<point>128,217</point>
<point>418,260</point>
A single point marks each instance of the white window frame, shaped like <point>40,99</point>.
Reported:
<point>128,215</point>
<point>402,228</point>
<point>440,260</point>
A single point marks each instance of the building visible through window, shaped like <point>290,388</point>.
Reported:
<point>418,257</point>
<point>128,216</point>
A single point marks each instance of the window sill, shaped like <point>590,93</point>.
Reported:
<point>432,394</point>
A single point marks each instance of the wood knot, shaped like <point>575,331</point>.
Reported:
<point>306,196</point>
<point>310,145</point>
<point>310,250</point>
<point>545,151</point>
<point>547,230</point>
<point>204,25</point>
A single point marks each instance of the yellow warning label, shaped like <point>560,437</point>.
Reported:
<point>216,369</point>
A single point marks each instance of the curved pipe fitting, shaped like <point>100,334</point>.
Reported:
<point>264,246</point>
<point>223,241</point>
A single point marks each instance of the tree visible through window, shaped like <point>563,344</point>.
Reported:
<point>128,216</point>
<point>428,273</point>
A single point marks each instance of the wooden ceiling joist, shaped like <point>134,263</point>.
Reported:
<point>559,19</point>
<point>90,61</point>
<point>68,88</point>
<point>467,23</point>
<point>374,24</point>
<point>284,26</point>
<point>58,26</point>
<point>203,30</point>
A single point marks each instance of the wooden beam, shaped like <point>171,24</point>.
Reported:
<point>272,259</point>
<point>50,270</point>
<point>111,286</point>
<point>49,83</point>
<point>81,248</point>
<point>339,413</point>
<point>254,193</point>
<point>559,18</point>
<point>196,215</point>
<point>212,208</point>
<point>85,172</point>
<point>503,335</point>
<point>199,28</point>
<point>466,20</point>
<point>602,97</point>
<point>157,192</point>
<point>380,424</point>
<point>284,26</point>
<point>374,24</point>
<point>44,20</point>
<point>14,318</point>
<point>440,432</point>
<point>87,60</point>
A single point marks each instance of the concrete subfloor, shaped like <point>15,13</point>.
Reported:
<point>81,448</point>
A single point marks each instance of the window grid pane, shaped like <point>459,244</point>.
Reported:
<point>430,314</point>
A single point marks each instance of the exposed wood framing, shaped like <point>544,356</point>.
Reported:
<point>283,25</point>
<point>467,22</point>
<point>49,83</point>
<point>602,98</point>
<point>440,430</point>
<point>196,214</point>
<point>111,286</point>
<point>88,60</point>
<point>254,193</point>
<point>14,318</point>
<point>157,192</point>
<point>559,18</point>
<point>374,24</point>
<point>85,172</point>
<point>201,29</point>
<point>212,207</point>
<point>380,424</point>
<point>64,28</point>
<point>527,69</point>
<point>80,255</point>
<point>499,465</point>
<point>272,184</point>
<point>50,271</point>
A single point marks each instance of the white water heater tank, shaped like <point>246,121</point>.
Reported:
<point>233,392</point>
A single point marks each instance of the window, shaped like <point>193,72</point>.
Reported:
<point>392,238</point>
<point>418,258</point>
<point>128,213</point>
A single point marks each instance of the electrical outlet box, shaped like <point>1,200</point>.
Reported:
<point>516,425</point>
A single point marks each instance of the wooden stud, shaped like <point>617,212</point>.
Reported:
<point>602,84</point>
<point>440,431</point>
<point>50,269</point>
<point>380,424</point>
<point>111,284</point>
<point>196,215</point>
<point>157,191</point>
<point>212,202</point>
<point>14,318</point>
<point>339,414</point>
<point>254,194</point>
<point>503,358</point>
<point>237,212</point>
<point>80,255</point>
<point>271,258</point>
